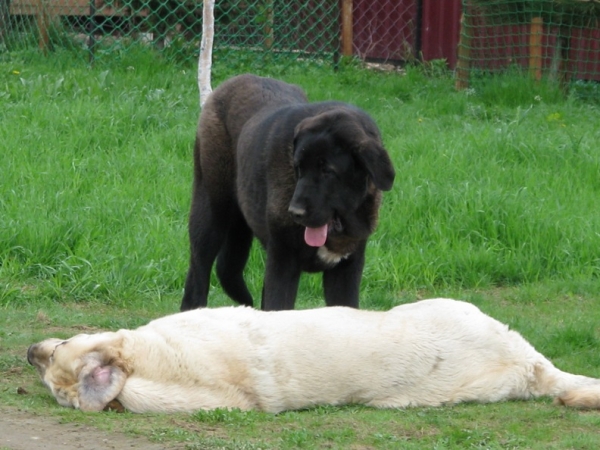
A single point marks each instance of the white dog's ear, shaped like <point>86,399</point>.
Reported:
<point>99,382</point>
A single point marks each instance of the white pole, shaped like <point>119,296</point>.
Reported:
<point>206,46</point>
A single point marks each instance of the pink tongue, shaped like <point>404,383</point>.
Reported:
<point>315,237</point>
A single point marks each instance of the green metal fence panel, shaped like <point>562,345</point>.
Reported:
<point>305,28</point>
<point>558,39</point>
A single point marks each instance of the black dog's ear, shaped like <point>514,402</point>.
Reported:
<point>308,124</point>
<point>377,162</point>
<point>99,382</point>
<point>360,133</point>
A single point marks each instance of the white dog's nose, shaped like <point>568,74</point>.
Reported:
<point>30,352</point>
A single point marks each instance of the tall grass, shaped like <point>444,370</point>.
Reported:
<point>495,202</point>
<point>94,193</point>
<point>496,185</point>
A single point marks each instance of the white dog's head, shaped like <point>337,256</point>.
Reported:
<point>84,372</point>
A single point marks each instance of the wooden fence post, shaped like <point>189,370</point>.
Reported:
<point>535,48</point>
<point>347,19</point>
<point>43,22</point>
<point>269,23</point>
<point>464,55</point>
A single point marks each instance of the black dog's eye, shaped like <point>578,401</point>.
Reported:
<point>327,170</point>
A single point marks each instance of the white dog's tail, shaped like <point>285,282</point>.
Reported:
<point>583,397</point>
<point>576,391</point>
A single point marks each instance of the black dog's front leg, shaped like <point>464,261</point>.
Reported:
<point>282,275</point>
<point>341,284</point>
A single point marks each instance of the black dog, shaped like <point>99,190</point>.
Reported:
<point>305,178</point>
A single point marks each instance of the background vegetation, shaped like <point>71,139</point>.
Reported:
<point>495,201</point>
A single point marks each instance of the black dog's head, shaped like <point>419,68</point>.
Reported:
<point>339,162</point>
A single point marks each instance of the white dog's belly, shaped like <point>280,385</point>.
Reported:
<point>429,355</point>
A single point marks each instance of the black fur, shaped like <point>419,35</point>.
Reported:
<point>268,164</point>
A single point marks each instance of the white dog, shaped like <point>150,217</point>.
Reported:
<point>429,353</point>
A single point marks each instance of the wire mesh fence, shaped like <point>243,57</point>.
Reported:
<point>385,30</point>
<point>308,28</point>
<point>557,39</point>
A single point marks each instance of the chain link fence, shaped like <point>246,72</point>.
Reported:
<point>386,30</point>
<point>557,39</point>
<point>308,28</point>
<point>383,30</point>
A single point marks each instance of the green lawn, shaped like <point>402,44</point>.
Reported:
<point>496,201</point>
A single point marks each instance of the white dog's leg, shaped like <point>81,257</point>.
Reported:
<point>576,391</point>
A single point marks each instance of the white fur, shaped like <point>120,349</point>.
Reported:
<point>428,353</point>
<point>329,257</point>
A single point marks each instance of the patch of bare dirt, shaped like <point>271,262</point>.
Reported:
<point>20,430</point>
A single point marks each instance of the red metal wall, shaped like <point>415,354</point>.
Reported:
<point>585,54</point>
<point>402,30</point>
<point>384,29</point>
<point>440,30</point>
<point>498,47</point>
<point>405,30</point>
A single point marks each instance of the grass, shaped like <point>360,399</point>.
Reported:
<point>565,328</point>
<point>495,201</point>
